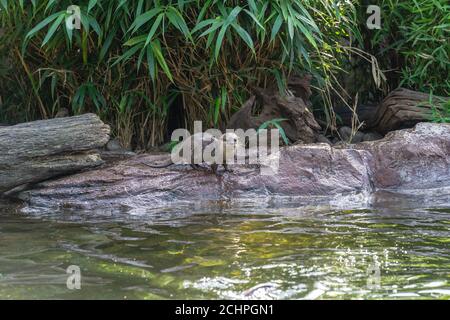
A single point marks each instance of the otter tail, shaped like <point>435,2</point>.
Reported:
<point>162,165</point>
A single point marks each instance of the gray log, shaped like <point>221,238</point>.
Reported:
<point>404,108</point>
<point>39,150</point>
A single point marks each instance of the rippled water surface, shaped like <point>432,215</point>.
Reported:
<point>228,251</point>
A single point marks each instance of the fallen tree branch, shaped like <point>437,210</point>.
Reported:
<point>404,108</point>
<point>39,150</point>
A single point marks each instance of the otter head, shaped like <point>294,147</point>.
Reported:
<point>231,144</point>
<point>230,138</point>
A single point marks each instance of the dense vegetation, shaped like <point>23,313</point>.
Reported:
<point>415,40</point>
<point>150,66</point>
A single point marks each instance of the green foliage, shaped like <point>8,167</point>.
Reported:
<point>415,36</point>
<point>441,112</point>
<point>134,62</point>
<point>171,145</point>
<point>206,53</point>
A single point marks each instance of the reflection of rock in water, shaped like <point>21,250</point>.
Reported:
<point>260,291</point>
<point>413,198</point>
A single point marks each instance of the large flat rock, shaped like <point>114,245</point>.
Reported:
<point>408,159</point>
<point>417,158</point>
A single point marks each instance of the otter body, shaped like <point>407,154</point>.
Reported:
<point>225,145</point>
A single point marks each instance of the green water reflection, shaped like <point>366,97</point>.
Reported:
<point>227,252</point>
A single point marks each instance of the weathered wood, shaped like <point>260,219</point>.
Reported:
<point>35,151</point>
<point>300,125</point>
<point>404,108</point>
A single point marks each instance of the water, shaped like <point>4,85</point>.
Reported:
<point>228,251</point>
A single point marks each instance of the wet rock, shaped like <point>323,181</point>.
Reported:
<point>414,158</point>
<point>346,135</point>
<point>372,136</point>
<point>322,139</point>
<point>305,170</point>
<point>114,145</point>
<point>111,157</point>
<point>358,137</point>
<point>409,159</point>
<point>114,152</point>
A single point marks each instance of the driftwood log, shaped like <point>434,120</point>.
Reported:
<point>404,108</point>
<point>39,150</point>
<point>300,124</point>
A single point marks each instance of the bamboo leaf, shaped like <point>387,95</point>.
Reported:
<point>43,23</point>
<point>154,28</point>
<point>244,35</point>
<point>92,4</point>
<point>276,27</point>
<point>144,18</point>
<point>53,29</point>
<point>156,47</point>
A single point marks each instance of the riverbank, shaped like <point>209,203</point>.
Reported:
<point>409,159</point>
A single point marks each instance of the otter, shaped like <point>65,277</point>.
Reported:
<point>226,145</point>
